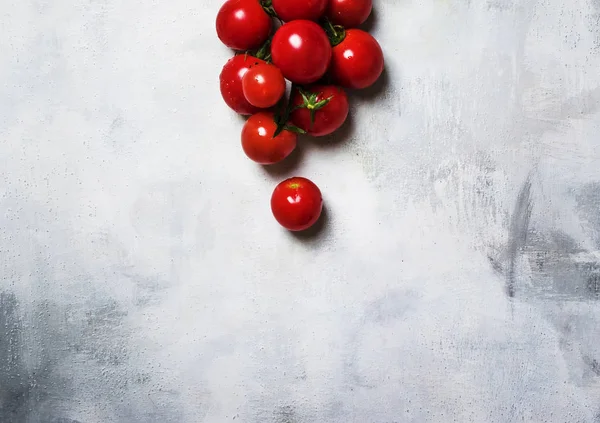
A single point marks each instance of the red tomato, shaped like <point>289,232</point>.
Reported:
<point>263,85</point>
<point>243,24</point>
<point>348,13</point>
<point>291,10</point>
<point>231,83</point>
<point>302,51</point>
<point>357,62</point>
<point>296,203</point>
<point>321,111</point>
<point>258,142</point>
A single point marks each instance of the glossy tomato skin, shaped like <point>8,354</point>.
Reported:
<point>348,13</point>
<point>357,62</point>
<point>297,203</point>
<point>243,24</point>
<point>290,10</point>
<point>231,83</point>
<point>263,85</point>
<point>326,119</point>
<point>258,142</point>
<point>302,51</point>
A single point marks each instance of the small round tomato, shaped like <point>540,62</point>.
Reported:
<point>263,85</point>
<point>243,24</point>
<point>357,62</point>
<point>259,144</point>
<point>348,13</point>
<point>291,10</point>
<point>231,83</point>
<point>296,203</point>
<point>319,110</point>
<point>302,51</point>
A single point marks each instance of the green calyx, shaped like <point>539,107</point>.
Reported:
<point>293,128</point>
<point>311,102</point>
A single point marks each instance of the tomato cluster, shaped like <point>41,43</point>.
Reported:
<point>312,47</point>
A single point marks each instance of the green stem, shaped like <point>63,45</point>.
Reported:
<point>336,33</point>
<point>267,5</point>
<point>264,52</point>
<point>283,112</point>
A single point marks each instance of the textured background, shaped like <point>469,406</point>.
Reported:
<point>456,276</point>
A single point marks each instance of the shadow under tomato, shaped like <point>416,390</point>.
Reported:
<point>287,166</point>
<point>316,233</point>
<point>372,21</point>
<point>241,118</point>
<point>336,139</point>
<point>374,93</point>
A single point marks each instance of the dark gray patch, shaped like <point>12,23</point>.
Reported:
<point>588,207</point>
<point>593,364</point>
<point>560,269</point>
<point>27,381</point>
<point>593,284</point>
<point>15,389</point>
<point>57,352</point>
<point>99,321</point>
<point>10,342</point>
<point>518,233</point>
<point>496,265</point>
<point>285,414</point>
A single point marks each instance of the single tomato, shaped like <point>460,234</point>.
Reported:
<point>302,51</point>
<point>291,10</point>
<point>357,61</point>
<point>319,109</point>
<point>231,83</point>
<point>243,24</point>
<point>348,13</point>
<point>258,142</point>
<point>296,203</point>
<point>263,85</point>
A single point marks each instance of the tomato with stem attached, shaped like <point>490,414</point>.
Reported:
<point>297,203</point>
<point>258,141</point>
<point>291,10</point>
<point>243,24</point>
<point>320,109</point>
<point>348,13</point>
<point>357,60</point>
<point>263,85</point>
<point>231,86</point>
<point>301,49</point>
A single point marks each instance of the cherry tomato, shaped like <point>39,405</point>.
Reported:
<point>291,10</point>
<point>243,24</point>
<point>348,13</point>
<point>301,50</point>
<point>263,85</point>
<point>296,203</point>
<point>357,62</point>
<point>319,110</point>
<point>231,83</point>
<point>258,142</point>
